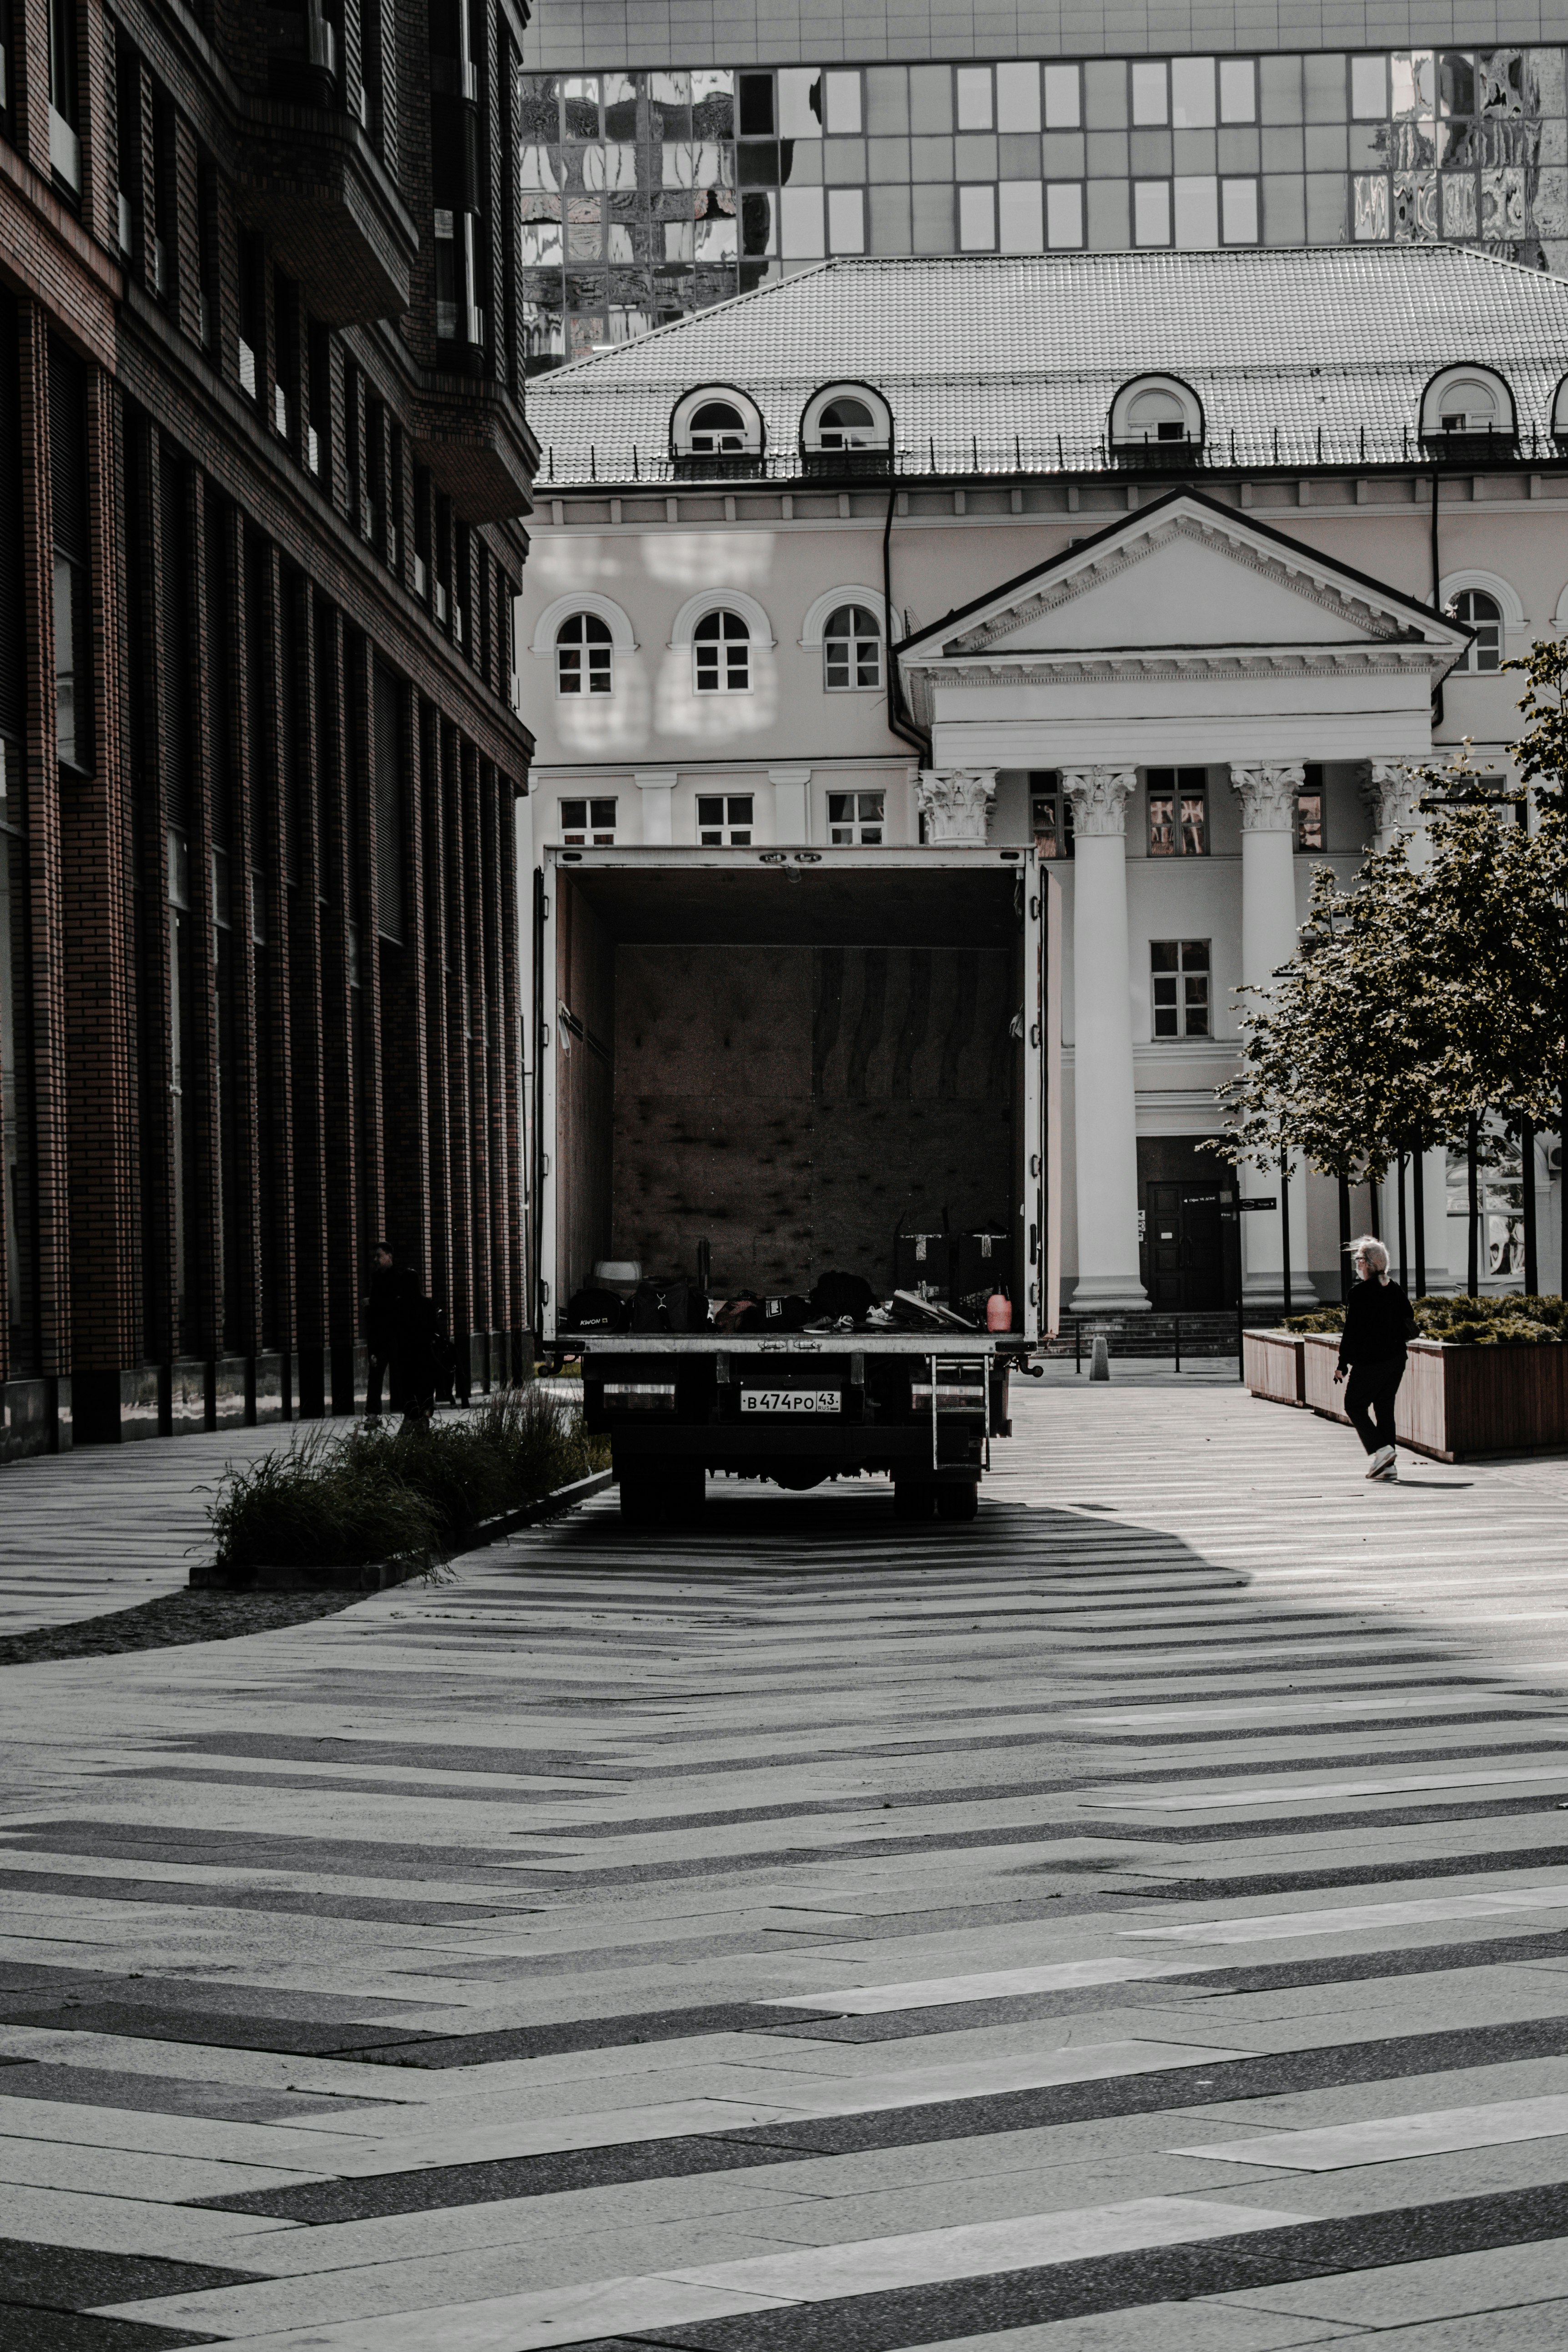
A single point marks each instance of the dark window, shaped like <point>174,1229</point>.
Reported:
<point>1050,814</point>
<point>176,645</point>
<point>316,441</point>
<point>756,105</point>
<point>585,656</point>
<point>856,819</point>
<point>1484,614</point>
<point>252,315</point>
<point>721,643</point>
<point>852,648</point>
<point>1310,808</point>
<point>579,819</point>
<point>72,566</point>
<point>724,820</point>
<point>63,61</point>
<point>1178,812</point>
<point>388,805</point>
<point>1179,980</point>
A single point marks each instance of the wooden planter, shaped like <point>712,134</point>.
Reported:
<point>1455,1402</point>
<point>1271,1365</point>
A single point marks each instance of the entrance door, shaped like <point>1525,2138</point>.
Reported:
<point>1187,1245</point>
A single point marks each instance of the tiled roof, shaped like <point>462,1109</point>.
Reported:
<point>991,362</point>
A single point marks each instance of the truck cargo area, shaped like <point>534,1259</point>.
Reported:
<point>775,1064</point>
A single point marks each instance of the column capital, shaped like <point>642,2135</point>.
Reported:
<point>1267,795</point>
<point>1388,790</point>
<point>1099,798</point>
<point>954,802</point>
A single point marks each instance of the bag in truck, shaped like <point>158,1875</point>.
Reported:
<point>592,1309</point>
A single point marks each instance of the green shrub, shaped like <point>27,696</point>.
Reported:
<point>413,1495</point>
<point>1322,1318</point>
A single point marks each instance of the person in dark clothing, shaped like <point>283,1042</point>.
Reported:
<point>415,1377</point>
<point>1379,1323</point>
<point>393,1290</point>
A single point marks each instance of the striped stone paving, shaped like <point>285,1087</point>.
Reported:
<point>105,1527</point>
<point>1136,1922</point>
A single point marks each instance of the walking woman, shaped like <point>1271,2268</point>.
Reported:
<point>1379,1323</point>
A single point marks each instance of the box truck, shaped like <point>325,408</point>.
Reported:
<point>759,1068</point>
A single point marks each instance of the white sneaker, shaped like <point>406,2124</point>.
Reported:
<point>1382,1461</point>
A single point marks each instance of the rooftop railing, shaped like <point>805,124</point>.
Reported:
<point>1011,457</point>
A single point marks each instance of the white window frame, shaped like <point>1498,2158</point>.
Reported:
<point>589,834</point>
<point>724,679</point>
<point>862,829</point>
<point>731,831</point>
<point>595,657</point>
<point>853,684</point>
<point>877,435</point>
<point>1124,435</point>
<point>1182,1001</point>
<point>749,442</point>
<point>1510,615</point>
<point>1445,384</point>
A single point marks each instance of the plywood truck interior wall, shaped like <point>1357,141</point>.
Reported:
<point>788,1067</point>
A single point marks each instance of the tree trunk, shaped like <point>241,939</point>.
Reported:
<point>1473,1184</point>
<point>1344,1239</point>
<point>1285,1227</point>
<point>1420,1164</point>
<point>1404,1254</point>
<point>1527,1195</point>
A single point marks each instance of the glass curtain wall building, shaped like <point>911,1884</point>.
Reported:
<point>648,193</point>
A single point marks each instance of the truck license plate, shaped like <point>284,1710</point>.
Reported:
<point>789,1400</point>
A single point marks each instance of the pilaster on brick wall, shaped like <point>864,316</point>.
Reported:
<point>50,1099</point>
<point>94,834</point>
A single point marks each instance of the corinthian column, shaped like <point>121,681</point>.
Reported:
<point>1104,1118</point>
<point>954,802</point>
<point>1269,932</point>
<point>1389,795</point>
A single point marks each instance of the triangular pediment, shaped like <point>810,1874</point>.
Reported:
<point>1186,578</point>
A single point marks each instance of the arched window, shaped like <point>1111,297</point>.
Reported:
<point>585,656</point>
<point>715,421</point>
<point>717,424</point>
<point>845,423</point>
<point>845,418</point>
<point>721,646</point>
<point>1156,412</point>
<point>1484,614</point>
<point>1467,402</point>
<point>851,650</point>
<point>1155,416</point>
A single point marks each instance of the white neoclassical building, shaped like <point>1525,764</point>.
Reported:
<point>1173,564</point>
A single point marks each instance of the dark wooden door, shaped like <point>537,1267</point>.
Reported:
<point>1186,1247</point>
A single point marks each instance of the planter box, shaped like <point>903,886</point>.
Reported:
<point>1271,1365</point>
<point>1457,1401</point>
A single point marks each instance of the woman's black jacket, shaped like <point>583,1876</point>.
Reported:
<point>1379,1322</point>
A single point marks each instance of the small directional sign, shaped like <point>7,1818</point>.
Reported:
<point>1259,1201</point>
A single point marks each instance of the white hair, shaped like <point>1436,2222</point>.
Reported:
<point>1372,1250</point>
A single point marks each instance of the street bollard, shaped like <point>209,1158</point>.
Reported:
<point>1099,1370</point>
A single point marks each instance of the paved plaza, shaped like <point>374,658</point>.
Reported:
<point>1136,1922</point>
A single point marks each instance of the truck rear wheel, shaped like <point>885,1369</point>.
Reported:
<point>913,1498</point>
<point>957,1499</point>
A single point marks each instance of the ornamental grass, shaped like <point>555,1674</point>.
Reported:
<point>411,1496</point>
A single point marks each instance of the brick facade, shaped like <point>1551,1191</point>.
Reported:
<point>262,475</point>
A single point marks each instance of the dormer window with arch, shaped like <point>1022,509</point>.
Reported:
<point>846,428</point>
<point>1467,409</point>
<point>1156,420</point>
<point>1560,412</point>
<point>716,430</point>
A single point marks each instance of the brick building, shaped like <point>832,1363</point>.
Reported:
<point>262,465</point>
